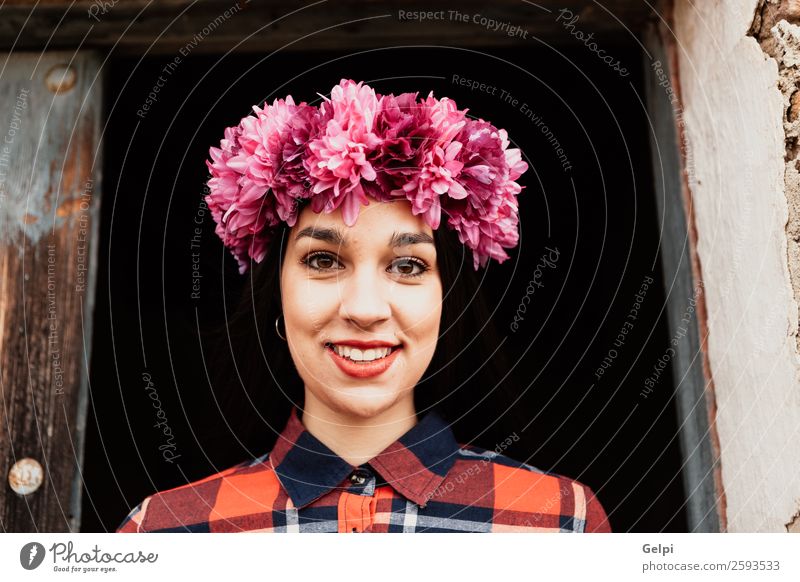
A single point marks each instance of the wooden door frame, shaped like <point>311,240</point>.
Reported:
<point>48,247</point>
<point>27,24</point>
<point>686,309</point>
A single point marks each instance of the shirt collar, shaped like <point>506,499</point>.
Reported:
<point>414,465</point>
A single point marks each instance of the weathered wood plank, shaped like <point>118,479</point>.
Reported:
<point>685,298</point>
<point>166,26</point>
<point>49,213</point>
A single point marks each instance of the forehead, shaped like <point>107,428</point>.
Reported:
<point>378,220</point>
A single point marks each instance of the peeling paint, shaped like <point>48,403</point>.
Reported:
<point>780,39</point>
<point>793,525</point>
<point>734,116</point>
<point>70,206</point>
<point>46,148</point>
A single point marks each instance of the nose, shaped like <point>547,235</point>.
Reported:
<point>364,298</point>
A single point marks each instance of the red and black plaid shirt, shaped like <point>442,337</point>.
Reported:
<point>423,482</point>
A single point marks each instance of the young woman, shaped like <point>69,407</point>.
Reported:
<point>357,216</point>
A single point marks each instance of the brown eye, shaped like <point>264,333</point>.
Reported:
<point>409,267</point>
<point>323,262</point>
<point>320,261</point>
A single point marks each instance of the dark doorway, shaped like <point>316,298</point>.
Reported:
<point>589,197</point>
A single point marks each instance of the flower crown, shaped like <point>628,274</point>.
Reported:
<point>359,143</point>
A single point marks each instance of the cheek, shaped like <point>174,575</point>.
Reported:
<point>307,305</point>
<point>421,312</point>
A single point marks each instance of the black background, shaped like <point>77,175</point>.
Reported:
<point>600,215</point>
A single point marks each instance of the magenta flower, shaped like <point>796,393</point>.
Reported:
<point>487,219</point>
<point>405,128</point>
<point>436,168</point>
<point>248,164</point>
<point>359,143</point>
<point>337,160</point>
<point>437,176</point>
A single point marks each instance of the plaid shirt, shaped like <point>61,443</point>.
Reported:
<point>423,482</point>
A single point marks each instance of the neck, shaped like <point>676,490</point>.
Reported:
<point>357,439</point>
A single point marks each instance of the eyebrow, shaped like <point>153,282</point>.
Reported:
<point>334,236</point>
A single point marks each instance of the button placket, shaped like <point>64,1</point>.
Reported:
<point>362,481</point>
<point>354,512</point>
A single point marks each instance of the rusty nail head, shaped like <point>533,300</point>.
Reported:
<point>25,476</point>
<point>60,78</point>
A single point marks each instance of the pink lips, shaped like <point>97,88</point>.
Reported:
<point>367,369</point>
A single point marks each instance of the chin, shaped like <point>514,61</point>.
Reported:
<point>364,402</point>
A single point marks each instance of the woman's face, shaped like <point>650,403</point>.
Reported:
<point>362,306</point>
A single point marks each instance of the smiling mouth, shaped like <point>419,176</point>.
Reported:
<point>361,356</point>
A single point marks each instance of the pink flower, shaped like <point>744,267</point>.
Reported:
<point>359,143</point>
<point>250,162</point>
<point>291,183</point>
<point>274,140</point>
<point>485,164</point>
<point>405,129</point>
<point>487,220</point>
<point>447,119</point>
<point>516,166</point>
<point>436,177</point>
<point>436,168</point>
<point>488,233</point>
<point>338,159</point>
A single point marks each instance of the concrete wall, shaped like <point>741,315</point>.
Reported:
<point>734,110</point>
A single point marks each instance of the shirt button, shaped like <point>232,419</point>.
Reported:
<point>359,477</point>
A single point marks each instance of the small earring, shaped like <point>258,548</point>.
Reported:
<point>277,329</point>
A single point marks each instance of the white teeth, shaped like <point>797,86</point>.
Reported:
<point>358,355</point>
